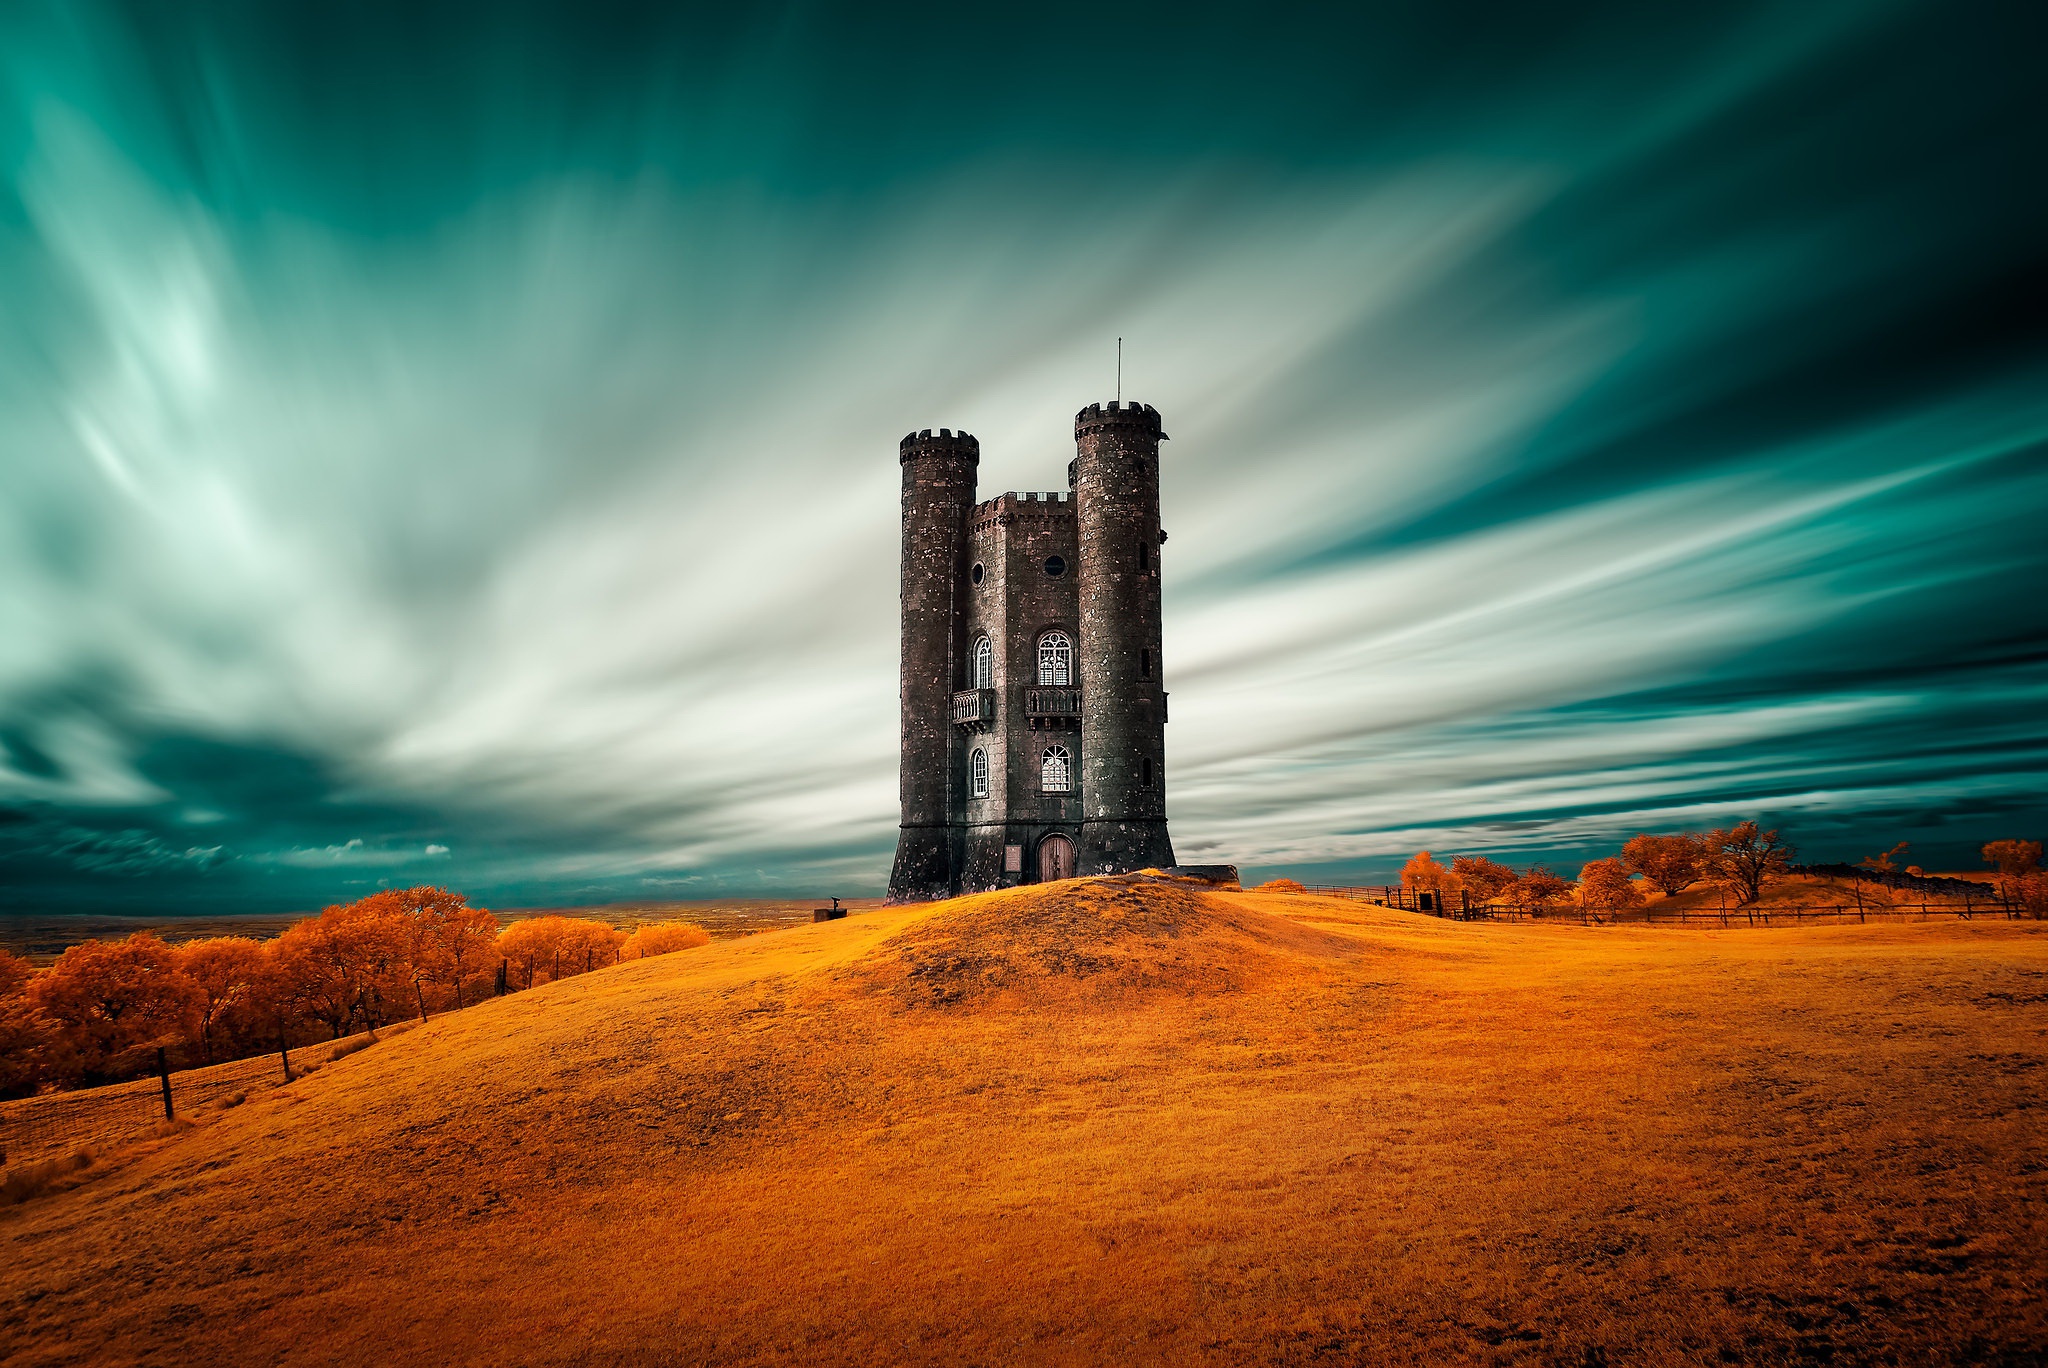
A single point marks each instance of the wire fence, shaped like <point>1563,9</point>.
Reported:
<point>115,1114</point>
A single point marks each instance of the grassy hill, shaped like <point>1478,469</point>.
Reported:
<point>1116,1121</point>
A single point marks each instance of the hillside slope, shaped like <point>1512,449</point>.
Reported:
<point>1113,1120</point>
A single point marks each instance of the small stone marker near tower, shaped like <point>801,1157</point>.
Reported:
<point>1033,720</point>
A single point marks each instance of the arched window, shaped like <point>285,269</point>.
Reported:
<point>1055,658</point>
<point>977,774</point>
<point>984,670</point>
<point>1057,770</point>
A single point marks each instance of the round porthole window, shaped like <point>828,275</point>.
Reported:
<point>976,573</point>
<point>1055,566</point>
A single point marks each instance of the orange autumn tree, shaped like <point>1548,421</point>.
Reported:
<point>446,940</point>
<point>15,972</point>
<point>1484,879</point>
<point>229,972</point>
<point>663,938</point>
<point>552,947</point>
<point>1425,875</point>
<point>1537,891</point>
<point>110,1001</point>
<point>1670,863</point>
<point>26,1035</point>
<point>345,966</point>
<point>591,944</point>
<point>1745,859</point>
<point>1605,886</point>
<point>2013,859</point>
<point>2020,878</point>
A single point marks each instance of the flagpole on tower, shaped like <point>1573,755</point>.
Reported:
<point>1119,370</point>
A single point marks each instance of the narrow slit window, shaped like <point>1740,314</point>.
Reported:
<point>977,773</point>
<point>1144,767</point>
<point>1144,556</point>
<point>1057,770</point>
<point>1145,663</point>
<point>1056,659</point>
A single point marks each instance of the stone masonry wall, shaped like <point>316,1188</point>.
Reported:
<point>1116,490</point>
<point>938,492</point>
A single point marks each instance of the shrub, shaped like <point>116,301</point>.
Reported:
<point>1280,886</point>
<point>24,1181</point>
<point>1537,891</point>
<point>663,938</point>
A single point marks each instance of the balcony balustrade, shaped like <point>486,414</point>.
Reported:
<point>1052,701</point>
<point>974,708</point>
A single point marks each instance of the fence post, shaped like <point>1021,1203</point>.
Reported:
<point>163,1073</point>
<point>284,1053</point>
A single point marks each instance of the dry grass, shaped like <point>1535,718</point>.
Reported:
<point>20,1182</point>
<point>1118,1121</point>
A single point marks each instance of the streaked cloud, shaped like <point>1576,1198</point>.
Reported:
<point>1535,477</point>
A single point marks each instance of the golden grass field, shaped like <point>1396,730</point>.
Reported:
<point>1120,1122</point>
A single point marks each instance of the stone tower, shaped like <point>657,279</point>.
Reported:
<point>1033,718</point>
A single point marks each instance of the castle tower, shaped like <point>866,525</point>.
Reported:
<point>938,491</point>
<point>1123,718</point>
<point>1033,721</point>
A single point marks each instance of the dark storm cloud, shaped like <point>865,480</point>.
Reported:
<point>443,449</point>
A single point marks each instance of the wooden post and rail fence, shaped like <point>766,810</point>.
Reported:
<point>1459,906</point>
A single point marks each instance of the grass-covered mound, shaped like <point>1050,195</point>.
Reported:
<point>1119,1121</point>
<point>1109,941</point>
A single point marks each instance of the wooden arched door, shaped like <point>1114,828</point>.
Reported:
<point>1055,858</point>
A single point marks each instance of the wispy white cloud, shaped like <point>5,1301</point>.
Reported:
<point>557,532</point>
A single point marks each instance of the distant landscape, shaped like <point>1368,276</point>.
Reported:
<point>1122,1119</point>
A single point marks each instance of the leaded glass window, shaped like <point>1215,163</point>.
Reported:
<point>1057,770</point>
<point>1055,659</point>
<point>977,774</point>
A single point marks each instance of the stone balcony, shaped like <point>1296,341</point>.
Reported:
<point>1052,706</point>
<point>974,709</point>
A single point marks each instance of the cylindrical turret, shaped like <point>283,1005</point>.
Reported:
<point>938,495</point>
<point>1123,709</point>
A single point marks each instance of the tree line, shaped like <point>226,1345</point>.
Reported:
<point>100,1013</point>
<point>1741,861</point>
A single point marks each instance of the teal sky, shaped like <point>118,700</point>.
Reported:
<point>458,445</point>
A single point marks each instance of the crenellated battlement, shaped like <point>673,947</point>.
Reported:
<point>1050,501</point>
<point>946,443</point>
<point>1096,417</point>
